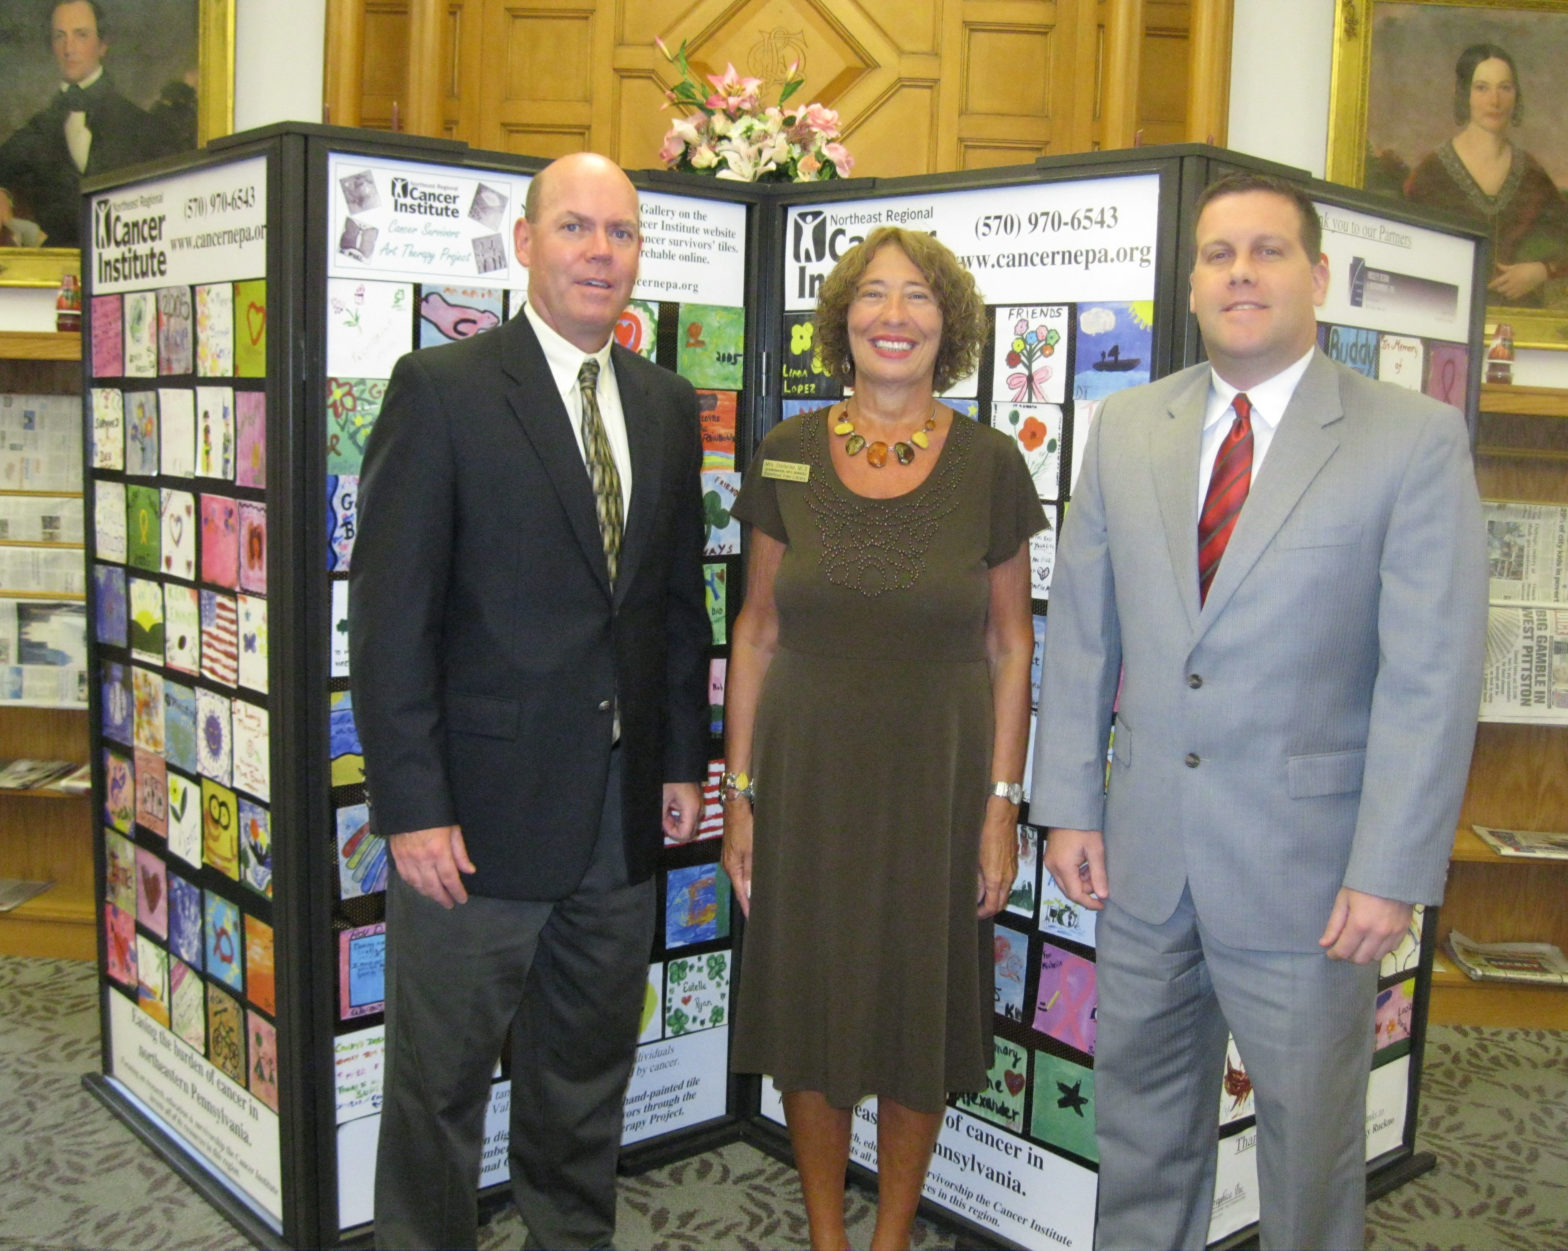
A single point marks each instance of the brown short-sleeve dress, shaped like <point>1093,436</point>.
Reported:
<point>864,969</point>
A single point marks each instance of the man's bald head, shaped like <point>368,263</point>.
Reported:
<point>574,163</point>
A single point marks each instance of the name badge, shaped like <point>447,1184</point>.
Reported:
<point>787,470</point>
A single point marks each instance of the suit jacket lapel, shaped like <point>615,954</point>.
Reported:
<point>536,404</point>
<point>1174,447</point>
<point>1302,442</point>
<point>647,456</point>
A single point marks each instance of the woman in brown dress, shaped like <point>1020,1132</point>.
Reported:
<point>878,708</point>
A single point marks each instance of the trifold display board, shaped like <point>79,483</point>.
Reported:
<point>246,305</point>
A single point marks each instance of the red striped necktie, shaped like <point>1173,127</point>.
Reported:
<point>1228,487</point>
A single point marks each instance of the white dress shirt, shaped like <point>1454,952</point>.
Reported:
<point>1269,400</point>
<point>77,137</point>
<point>565,360</point>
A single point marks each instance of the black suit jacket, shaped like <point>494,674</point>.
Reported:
<point>35,162</point>
<point>487,649</point>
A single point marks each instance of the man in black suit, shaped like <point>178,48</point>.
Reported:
<point>88,128</point>
<point>528,644</point>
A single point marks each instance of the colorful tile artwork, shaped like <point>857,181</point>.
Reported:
<point>362,956</point>
<point>711,342</point>
<point>1114,349</point>
<point>637,329</point>
<point>362,855</point>
<point>1066,998</point>
<point>108,337</point>
<point>223,946</point>
<point>1031,354</point>
<point>250,329</point>
<point>250,438</point>
<point>255,840</point>
<point>220,847</point>
<point>803,373</point>
<point>449,313</point>
<point>226,1034</point>
<point>175,343</point>
<point>1063,1111</point>
<point>696,905</point>
<point>1002,1100</point>
<point>140,323</point>
<point>696,993</point>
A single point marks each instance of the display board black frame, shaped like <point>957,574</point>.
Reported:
<point>297,246</point>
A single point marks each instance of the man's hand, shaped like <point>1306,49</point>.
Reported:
<point>1076,859</point>
<point>1363,928</point>
<point>682,808</point>
<point>430,861</point>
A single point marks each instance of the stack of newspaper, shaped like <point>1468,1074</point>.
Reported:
<point>32,775</point>
<point>1537,964</point>
<point>1527,844</point>
<point>1527,627</point>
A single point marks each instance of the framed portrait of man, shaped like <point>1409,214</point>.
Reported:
<point>91,86</point>
<point>1462,105</point>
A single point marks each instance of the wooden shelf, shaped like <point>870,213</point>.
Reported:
<point>62,922</point>
<point>65,547</point>
<point>1524,401</point>
<point>59,495</point>
<point>1460,1000</point>
<point>29,345</point>
<point>73,597</point>
<point>42,793</point>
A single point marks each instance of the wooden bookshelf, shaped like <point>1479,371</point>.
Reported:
<point>46,835</point>
<point>1519,775</point>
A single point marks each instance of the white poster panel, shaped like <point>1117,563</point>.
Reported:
<point>693,250</point>
<point>405,221</point>
<point>1236,1174</point>
<point>205,226</point>
<point>1089,239</point>
<point>677,1083</point>
<point>223,1124</point>
<point>1391,276</point>
<point>357,1141</point>
<point>1235,1185</point>
<point>997,1180</point>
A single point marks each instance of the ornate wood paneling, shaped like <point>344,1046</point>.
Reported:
<point>921,87</point>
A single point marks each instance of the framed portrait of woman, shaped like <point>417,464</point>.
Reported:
<point>91,86</point>
<point>1462,105</point>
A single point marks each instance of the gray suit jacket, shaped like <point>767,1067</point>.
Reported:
<point>1310,726</point>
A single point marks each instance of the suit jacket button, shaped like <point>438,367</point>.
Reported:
<point>1192,760</point>
<point>604,705</point>
<point>1194,681</point>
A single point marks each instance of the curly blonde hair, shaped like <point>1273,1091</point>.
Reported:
<point>963,311</point>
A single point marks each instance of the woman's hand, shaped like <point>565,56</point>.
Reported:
<point>736,853</point>
<point>1514,282</point>
<point>998,855</point>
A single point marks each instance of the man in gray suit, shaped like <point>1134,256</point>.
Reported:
<point>1284,563</point>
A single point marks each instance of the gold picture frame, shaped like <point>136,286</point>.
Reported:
<point>1391,98</point>
<point>46,266</point>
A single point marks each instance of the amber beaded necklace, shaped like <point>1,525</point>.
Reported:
<point>876,453</point>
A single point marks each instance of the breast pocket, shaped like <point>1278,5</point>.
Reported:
<point>1342,534</point>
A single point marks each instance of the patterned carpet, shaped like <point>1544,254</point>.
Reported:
<point>1494,1110</point>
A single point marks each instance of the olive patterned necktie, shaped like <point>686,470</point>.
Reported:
<point>601,467</point>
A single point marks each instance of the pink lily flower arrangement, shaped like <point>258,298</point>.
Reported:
<point>731,135</point>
